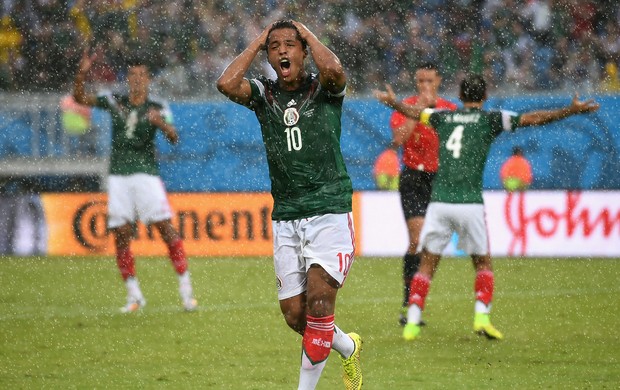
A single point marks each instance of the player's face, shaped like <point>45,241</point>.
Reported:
<point>427,81</point>
<point>286,54</point>
<point>138,78</point>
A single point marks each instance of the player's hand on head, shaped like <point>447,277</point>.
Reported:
<point>262,38</point>
<point>303,30</point>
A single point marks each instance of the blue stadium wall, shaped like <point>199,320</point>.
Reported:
<point>221,147</point>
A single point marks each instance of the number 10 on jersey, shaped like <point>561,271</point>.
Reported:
<point>293,138</point>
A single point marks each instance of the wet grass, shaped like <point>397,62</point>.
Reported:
<point>60,327</point>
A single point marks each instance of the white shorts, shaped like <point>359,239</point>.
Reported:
<point>136,196</point>
<point>467,220</point>
<point>327,240</point>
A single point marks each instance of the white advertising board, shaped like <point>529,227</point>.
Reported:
<point>554,223</point>
<point>384,232</point>
<point>535,223</point>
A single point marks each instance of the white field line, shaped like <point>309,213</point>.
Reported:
<point>51,312</point>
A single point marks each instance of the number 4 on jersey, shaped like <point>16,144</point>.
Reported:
<point>454,141</point>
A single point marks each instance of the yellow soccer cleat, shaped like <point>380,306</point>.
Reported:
<point>483,327</point>
<point>352,366</point>
<point>411,332</point>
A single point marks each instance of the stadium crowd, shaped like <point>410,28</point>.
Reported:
<point>519,45</point>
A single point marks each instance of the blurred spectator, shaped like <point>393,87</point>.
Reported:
<point>102,71</point>
<point>584,14</point>
<point>116,53</point>
<point>10,51</point>
<point>611,81</point>
<point>561,53</point>
<point>520,45</point>
<point>538,19</point>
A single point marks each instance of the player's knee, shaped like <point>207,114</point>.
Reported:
<point>167,231</point>
<point>122,236</point>
<point>295,318</point>
<point>320,304</point>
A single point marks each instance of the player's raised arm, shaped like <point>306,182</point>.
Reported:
<point>535,118</point>
<point>79,94</point>
<point>331,72</point>
<point>388,97</point>
<point>232,82</point>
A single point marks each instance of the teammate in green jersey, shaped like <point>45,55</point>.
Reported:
<point>135,189</point>
<point>456,201</point>
<point>313,237</point>
<point>420,161</point>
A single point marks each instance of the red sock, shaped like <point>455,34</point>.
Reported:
<point>177,255</point>
<point>125,263</point>
<point>420,285</point>
<point>484,286</point>
<point>318,336</point>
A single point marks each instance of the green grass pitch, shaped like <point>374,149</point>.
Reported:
<point>60,327</point>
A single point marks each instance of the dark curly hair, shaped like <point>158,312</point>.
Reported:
<point>428,66</point>
<point>473,89</point>
<point>285,24</point>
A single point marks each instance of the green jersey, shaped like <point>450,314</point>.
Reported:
<point>133,136</point>
<point>301,133</point>
<point>465,137</point>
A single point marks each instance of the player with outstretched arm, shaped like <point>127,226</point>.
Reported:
<point>420,161</point>
<point>465,137</point>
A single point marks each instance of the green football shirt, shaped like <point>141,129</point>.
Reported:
<point>133,136</point>
<point>465,137</point>
<point>301,132</point>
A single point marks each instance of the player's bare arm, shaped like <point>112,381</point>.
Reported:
<point>156,119</point>
<point>401,134</point>
<point>388,97</point>
<point>331,72</point>
<point>576,107</point>
<point>79,93</point>
<point>232,82</point>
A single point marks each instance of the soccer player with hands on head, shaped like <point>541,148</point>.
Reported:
<point>420,160</point>
<point>465,137</point>
<point>313,237</point>
<point>135,190</point>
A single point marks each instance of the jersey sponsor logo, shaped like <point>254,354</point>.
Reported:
<point>291,103</point>
<point>291,116</point>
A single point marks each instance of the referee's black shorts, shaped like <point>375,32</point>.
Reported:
<point>415,191</point>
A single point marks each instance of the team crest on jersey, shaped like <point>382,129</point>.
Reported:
<point>291,116</point>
